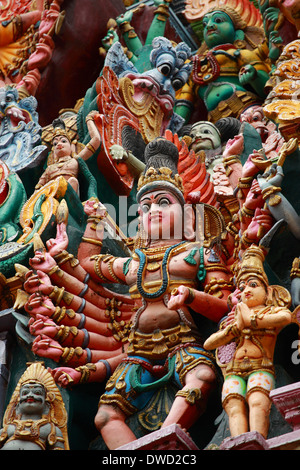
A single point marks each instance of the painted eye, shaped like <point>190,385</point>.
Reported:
<point>165,69</point>
<point>241,287</point>
<point>177,84</point>
<point>219,20</point>
<point>253,284</point>
<point>145,208</point>
<point>206,131</point>
<point>164,202</point>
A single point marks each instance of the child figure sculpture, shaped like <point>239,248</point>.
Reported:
<point>252,332</point>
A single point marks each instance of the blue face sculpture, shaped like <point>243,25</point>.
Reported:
<point>170,67</point>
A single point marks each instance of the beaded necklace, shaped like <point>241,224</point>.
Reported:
<point>164,271</point>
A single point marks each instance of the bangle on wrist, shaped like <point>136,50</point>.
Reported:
<point>56,269</point>
<point>190,297</point>
<point>92,241</point>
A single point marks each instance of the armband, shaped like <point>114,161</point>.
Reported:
<point>61,312</point>
<point>191,395</point>
<point>85,372</point>
<point>57,294</point>
<point>69,353</point>
<point>270,193</point>
<point>190,298</point>
<point>295,271</point>
<point>108,368</point>
<point>64,332</point>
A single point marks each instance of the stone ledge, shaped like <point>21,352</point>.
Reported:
<point>288,441</point>
<point>169,438</point>
<point>248,441</point>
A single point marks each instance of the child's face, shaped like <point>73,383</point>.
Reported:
<point>253,292</point>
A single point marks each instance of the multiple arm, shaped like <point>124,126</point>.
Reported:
<point>76,322</point>
<point>95,140</point>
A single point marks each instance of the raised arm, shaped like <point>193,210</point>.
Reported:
<point>95,141</point>
<point>103,268</point>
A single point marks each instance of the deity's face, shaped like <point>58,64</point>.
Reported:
<point>291,11</point>
<point>161,81</point>
<point>255,116</point>
<point>8,98</point>
<point>61,147</point>
<point>205,136</point>
<point>165,65</point>
<point>253,292</point>
<point>218,29</point>
<point>32,399</point>
<point>170,71</point>
<point>162,215</point>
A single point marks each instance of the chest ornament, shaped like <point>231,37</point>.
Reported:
<point>149,258</point>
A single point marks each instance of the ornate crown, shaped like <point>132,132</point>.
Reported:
<point>59,128</point>
<point>161,174</point>
<point>252,264</point>
<point>249,15</point>
<point>161,158</point>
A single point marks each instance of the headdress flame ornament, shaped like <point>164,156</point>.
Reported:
<point>195,10</point>
<point>59,128</point>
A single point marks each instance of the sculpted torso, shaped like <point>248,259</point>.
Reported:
<point>157,314</point>
<point>249,348</point>
<point>66,167</point>
<point>29,440</point>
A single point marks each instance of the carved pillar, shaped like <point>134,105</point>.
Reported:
<point>287,401</point>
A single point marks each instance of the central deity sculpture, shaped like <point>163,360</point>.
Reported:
<point>170,275</point>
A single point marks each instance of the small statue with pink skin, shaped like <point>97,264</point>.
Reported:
<point>245,345</point>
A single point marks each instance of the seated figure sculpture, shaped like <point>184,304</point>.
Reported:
<point>250,334</point>
<point>35,418</point>
<point>163,275</point>
<point>229,70</point>
<point>62,160</point>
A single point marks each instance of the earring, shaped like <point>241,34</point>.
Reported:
<point>269,301</point>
